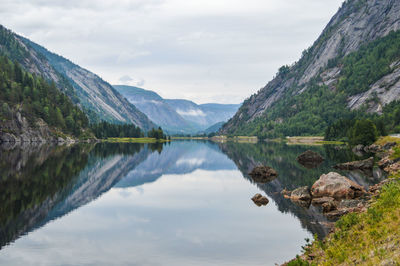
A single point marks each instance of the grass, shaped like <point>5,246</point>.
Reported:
<point>134,140</point>
<point>368,238</point>
<point>396,153</point>
<point>383,140</point>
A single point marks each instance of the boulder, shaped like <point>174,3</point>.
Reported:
<point>363,164</point>
<point>259,200</point>
<point>320,201</point>
<point>301,193</point>
<point>336,186</point>
<point>263,174</point>
<point>310,159</point>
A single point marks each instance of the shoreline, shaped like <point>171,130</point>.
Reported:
<point>369,236</point>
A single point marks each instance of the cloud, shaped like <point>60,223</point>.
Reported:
<point>127,80</point>
<point>196,49</point>
<point>191,112</point>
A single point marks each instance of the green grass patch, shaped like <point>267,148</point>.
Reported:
<point>134,140</point>
<point>364,238</point>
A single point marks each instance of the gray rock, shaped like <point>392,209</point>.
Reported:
<point>366,164</point>
<point>389,145</point>
<point>336,186</point>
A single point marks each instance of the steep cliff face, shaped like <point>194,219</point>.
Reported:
<point>357,23</point>
<point>97,97</point>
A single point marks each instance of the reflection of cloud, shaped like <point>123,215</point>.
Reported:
<point>140,189</point>
<point>128,80</point>
<point>125,193</point>
<point>191,162</point>
<point>191,112</point>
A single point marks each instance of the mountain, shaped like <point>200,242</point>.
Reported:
<point>177,116</point>
<point>156,108</point>
<point>98,98</point>
<point>214,128</point>
<point>204,115</point>
<point>351,70</point>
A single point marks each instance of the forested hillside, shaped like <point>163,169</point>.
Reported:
<point>351,72</point>
<point>35,98</point>
<point>97,98</point>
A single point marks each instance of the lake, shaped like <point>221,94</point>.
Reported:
<point>179,203</point>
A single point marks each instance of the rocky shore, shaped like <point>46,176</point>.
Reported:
<point>339,197</point>
<point>19,130</point>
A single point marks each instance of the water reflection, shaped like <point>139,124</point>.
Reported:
<point>186,197</point>
<point>292,174</point>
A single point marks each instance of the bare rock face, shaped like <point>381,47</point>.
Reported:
<point>260,200</point>
<point>336,186</point>
<point>366,164</point>
<point>18,130</point>
<point>263,174</point>
<point>310,159</point>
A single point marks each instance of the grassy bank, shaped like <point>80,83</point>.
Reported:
<point>370,238</point>
<point>134,140</point>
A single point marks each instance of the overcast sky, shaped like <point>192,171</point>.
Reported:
<point>205,50</point>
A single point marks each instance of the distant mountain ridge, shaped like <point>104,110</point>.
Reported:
<point>95,96</point>
<point>177,115</point>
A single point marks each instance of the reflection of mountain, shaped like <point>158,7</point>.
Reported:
<point>291,174</point>
<point>40,184</point>
<point>181,157</point>
<point>35,179</point>
<point>58,181</point>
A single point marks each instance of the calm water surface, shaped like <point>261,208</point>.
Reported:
<point>182,203</point>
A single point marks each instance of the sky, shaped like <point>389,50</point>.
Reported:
<point>205,51</point>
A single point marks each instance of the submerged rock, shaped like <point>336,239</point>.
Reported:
<point>260,200</point>
<point>310,159</point>
<point>336,186</point>
<point>363,164</point>
<point>263,174</point>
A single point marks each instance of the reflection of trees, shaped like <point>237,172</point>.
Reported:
<point>31,179</point>
<point>36,181</point>
<point>291,174</point>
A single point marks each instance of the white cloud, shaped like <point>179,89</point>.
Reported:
<point>191,112</point>
<point>183,49</point>
<point>127,80</point>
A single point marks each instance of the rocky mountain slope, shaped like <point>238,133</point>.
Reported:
<point>177,116</point>
<point>98,98</point>
<point>340,51</point>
